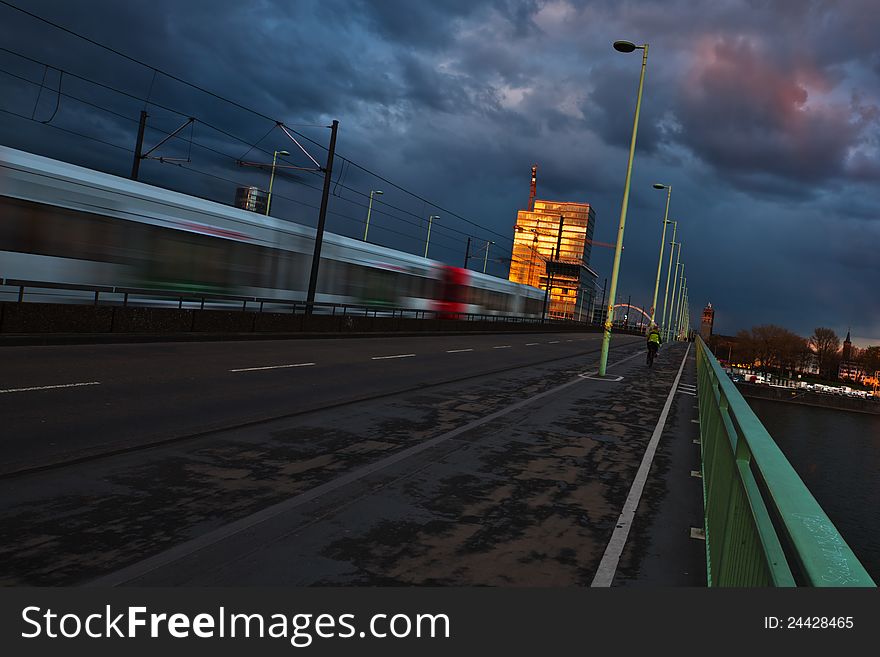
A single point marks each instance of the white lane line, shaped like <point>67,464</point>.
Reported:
<point>182,550</point>
<point>608,566</point>
<point>569,340</point>
<point>532,344</point>
<point>503,346</point>
<point>271,367</point>
<point>457,351</point>
<point>62,385</point>
<point>686,392</point>
<point>397,356</point>
<point>553,342</point>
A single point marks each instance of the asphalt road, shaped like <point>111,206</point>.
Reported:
<point>65,402</point>
<point>504,465</point>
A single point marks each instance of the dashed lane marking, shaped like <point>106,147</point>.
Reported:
<point>171,555</point>
<point>457,351</point>
<point>532,344</point>
<point>503,346</point>
<point>553,342</point>
<point>395,356</point>
<point>55,387</point>
<point>271,367</point>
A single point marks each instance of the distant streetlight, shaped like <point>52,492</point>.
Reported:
<point>668,189</point>
<point>272,178</point>
<point>668,276</point>
<point>486,257</point>
<point>428,240</point>
<point>622,46</point>
<point>369,210</point>
<point>675,283</point>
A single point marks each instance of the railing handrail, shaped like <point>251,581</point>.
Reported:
<point>794,534</point>
<point>193,296</point>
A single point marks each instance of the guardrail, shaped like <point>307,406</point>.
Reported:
<point>763,527</point>
<point>295,305</point>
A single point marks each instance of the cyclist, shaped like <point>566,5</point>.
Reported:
<point>653,343</point>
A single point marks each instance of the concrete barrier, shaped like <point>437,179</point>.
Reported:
<point>46,319</point>
<point>55,318</point>
<point>278,323</point>
<point>223,321</point>
<point>152,320</point>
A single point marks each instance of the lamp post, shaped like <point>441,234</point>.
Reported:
<point>676,304</point>
<point>622,46</point>
<point>428,240</point>
<point>668,327</point>
<point>668,276</point>
<point>486,257</point>
<point>682,286</point>
<point>272,178</point>
<point>369,210</point>
<point>668,189</point>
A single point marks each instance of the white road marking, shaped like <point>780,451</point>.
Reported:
<point>397,356</point>
<point>532,344</point>
<point>271,367</point>
<point>182,550</point>
<point>685,392</point>
<point>504,346</point>
<point>553,342</point>
<point>608,566</point>
<point>457,351</point>
<point>61,385</point>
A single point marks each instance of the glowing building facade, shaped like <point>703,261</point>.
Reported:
<point>537,261</point>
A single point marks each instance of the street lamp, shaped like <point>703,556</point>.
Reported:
<point>272,178</point>
<point>668,189</point>
<point>622,46</point>
<point>430,221</point>
<point>486,257</point>
<point>369,210</point>
<point>676,290</point>
<point>682,288</point>
<point>668,276</point>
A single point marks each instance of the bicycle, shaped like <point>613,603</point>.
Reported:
<point>652,353</point>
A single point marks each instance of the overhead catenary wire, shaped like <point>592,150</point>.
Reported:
<point>255,112</point>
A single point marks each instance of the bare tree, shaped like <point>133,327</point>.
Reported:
<point>825,344</point>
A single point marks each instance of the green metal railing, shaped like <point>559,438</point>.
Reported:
<point>763,527</point>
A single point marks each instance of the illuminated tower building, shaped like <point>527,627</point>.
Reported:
<point>706,324</point>
<point>536,262</point>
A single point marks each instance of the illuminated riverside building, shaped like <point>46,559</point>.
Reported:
<point>535,261</point>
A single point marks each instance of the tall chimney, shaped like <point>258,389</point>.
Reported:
<point>534,188</point>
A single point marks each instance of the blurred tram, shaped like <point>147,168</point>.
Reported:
<point>63,223</point>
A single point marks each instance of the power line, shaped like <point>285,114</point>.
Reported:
<point>247,109</point>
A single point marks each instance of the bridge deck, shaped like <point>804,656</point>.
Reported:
<point>513,472</point>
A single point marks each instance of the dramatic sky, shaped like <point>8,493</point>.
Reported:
<point>763,116</point>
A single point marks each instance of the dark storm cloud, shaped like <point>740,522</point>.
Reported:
<point>762,115</point>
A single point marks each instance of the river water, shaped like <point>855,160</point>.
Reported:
<point>837,454</point>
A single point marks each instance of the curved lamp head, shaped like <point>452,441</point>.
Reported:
<point>659,186</point>
<point>378,191</point>
<point>624,46</point>
<point>281,153</point>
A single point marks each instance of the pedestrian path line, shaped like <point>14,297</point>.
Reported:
<point>183,550</point>
<point>61,385</point>
<point>608,566</point>
<point>271,367</point>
